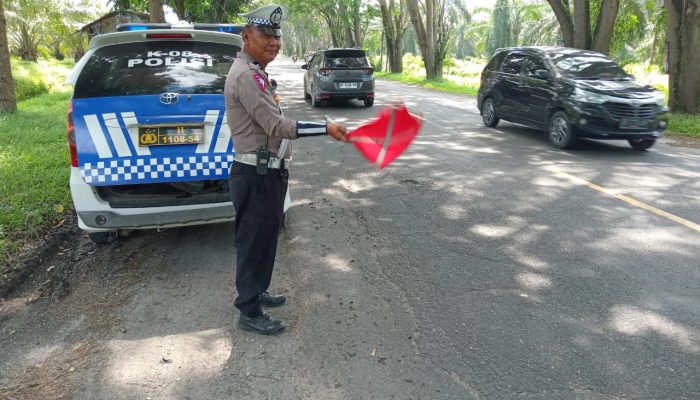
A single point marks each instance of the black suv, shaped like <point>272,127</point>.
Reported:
<point>570,93</point>
<point>338,74</point>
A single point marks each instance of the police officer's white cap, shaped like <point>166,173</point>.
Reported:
<point>267,19</point>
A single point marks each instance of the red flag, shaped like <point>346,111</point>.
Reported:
<point>384,139</point>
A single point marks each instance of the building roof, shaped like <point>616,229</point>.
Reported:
<point>112,14</point>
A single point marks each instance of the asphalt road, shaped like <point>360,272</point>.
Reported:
<point>482,264</point>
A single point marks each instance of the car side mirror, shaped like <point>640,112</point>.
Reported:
<point>542,74</point>
<point>305,66</point>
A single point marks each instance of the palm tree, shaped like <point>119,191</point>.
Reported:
<point>8,102</point>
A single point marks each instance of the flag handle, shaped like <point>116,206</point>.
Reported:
<point>387,138</point>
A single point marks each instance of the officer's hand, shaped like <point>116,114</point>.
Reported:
<point>337,131</point>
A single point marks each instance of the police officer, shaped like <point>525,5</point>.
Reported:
<point>258,176</point>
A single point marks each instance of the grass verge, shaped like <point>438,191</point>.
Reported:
<point>34,171</point>
<point>444,85</point>
<point>684,125</point>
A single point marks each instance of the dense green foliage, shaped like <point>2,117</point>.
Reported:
<point>34,164</point>
<point>35,78</point>
<point>33,168</point>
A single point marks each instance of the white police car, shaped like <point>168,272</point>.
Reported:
<point>147,132</point>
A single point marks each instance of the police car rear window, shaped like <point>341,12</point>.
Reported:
<point>156,67</point>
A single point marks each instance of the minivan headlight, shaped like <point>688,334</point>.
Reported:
<point>585,96</point>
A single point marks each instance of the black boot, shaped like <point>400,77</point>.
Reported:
<point>263,324</point>
<point>272,300</point>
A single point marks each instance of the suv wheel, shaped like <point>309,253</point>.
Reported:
<point>559,131</point>
<point>306,94</point>
<point>369,102</point>
<point>102,237</point>
<point>314,102</point>
<point>641,144</point>
<point>488,113</point>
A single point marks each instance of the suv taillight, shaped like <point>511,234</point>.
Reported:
<point>70,135</point>
<point>325,71</point>
<point>368,71</point>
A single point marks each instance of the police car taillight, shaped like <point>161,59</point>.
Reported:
<point>70,135</point>
<point>141,27</point>
<point>227,28</point>
<point>168,36</point>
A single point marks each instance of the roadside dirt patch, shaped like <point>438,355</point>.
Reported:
<point>682,141</point>
<point>49,379</point>
<point>58,303</point>
<point>49,258</point>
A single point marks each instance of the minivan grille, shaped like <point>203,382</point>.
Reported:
<point>623,110</point>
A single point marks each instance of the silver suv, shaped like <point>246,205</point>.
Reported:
<point>339,74</point>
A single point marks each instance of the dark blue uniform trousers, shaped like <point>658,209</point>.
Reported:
<point>259,203</point>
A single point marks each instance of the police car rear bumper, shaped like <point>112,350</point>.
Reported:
<point>96,215</point>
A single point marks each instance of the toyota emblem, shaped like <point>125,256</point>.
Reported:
<point>169,98</point>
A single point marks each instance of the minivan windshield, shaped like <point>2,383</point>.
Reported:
<point>587,65</point>
<point>156,67</point>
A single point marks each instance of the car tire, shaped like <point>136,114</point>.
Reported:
<point>641,144</point>
<point>306,94</point>
<point>488,113</point>
<point>369,102</point>
<point>102,237</point>
<point>314,102</point>
<point>559,131</point>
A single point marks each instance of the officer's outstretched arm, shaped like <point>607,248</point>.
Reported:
<point>332,129</point>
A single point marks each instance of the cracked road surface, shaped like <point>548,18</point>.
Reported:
<point>473,267</point>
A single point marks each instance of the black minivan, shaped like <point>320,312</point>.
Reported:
<point>570,93</point>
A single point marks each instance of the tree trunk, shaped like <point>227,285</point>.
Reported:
<point>605,26</point>
<point>429,58</point>
<point>8,102</point>
<point>394,28</point>
<point>421,35</point>
<point>359,38</point>
<point>434,37</point>
<point>561,11</point>
<point>576,32</point>
<point>333,28</point>
<point>582,24</point>
<point>654,46</point>
<point>180,9</point>
<point>683,34</point>
<point>155,11</point>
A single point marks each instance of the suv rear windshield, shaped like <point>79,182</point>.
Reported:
<point>156,67</point>
<point>346,59</point>
<point>579,65</point>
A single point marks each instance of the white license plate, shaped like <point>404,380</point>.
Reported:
<point>351,85</point>
<point>634,123</point>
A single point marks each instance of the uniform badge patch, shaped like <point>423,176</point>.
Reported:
<point>260,81</point>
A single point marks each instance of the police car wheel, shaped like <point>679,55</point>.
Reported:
<point>102,237</point>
